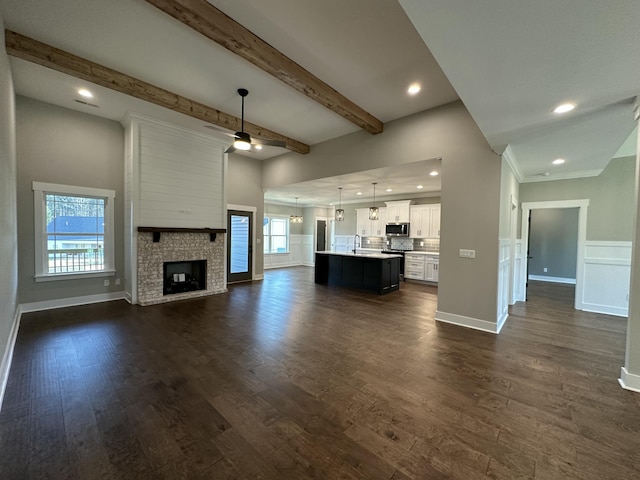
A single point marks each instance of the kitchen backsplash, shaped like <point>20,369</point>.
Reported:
<point>402,243</point>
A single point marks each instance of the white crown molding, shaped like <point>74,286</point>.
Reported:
<point>509,156</point>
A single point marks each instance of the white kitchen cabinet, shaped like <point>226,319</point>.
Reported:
<point>399,211</point>
<point>434,221</point>
<point>414,266</point>
<point>431,268</point>
<point>425,221</point>
<point>371,228</point>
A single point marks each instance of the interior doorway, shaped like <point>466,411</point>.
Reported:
<point>581,205</point>
<point>239,246</point>
<point>321,235</point>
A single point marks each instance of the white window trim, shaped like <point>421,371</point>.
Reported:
<point>288,235</point>
<point>39,191</point>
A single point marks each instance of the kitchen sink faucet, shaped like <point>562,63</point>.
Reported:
<point>356,238</point>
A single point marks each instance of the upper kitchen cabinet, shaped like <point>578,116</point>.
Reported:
<point>371,228</point>
<point>399,211</point>
<point>425,221</point>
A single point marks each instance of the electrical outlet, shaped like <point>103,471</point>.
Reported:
<point>117,281</point>
<point>465,253</point>
<point>106,283</point>
<point>545,269</point>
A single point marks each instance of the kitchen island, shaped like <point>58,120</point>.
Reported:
<point>377,272</point>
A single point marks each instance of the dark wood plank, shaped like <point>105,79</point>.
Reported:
<point>289,379</point>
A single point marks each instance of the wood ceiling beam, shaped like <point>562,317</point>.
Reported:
<point>204,18</point>
<point>26,48</point>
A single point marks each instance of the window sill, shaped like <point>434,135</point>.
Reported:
<point>73,275</point>
<point>277,253</point>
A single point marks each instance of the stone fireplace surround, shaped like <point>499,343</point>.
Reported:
<point>175,245</point>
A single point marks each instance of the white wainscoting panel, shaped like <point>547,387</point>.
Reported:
<point>607,272</point>
<point>300,253</point>
<point>503,281</point>
<point>518,272</point>
<point>343,243</point>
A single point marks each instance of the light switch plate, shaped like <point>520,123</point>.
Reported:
<point>464,253</point>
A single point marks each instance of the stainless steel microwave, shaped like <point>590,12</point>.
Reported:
<point>397,230</point>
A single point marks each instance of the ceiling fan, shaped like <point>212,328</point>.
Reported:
<point>243,140</point>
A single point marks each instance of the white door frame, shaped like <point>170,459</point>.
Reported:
<point>582,240</point>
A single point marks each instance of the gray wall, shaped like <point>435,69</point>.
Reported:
<point>553,242</point>
<point>471,174</point>
<point>294,228</point>
<point>244,187</point>
<point>8,205</point>
<point>610,194</point>
<point>58,145</point>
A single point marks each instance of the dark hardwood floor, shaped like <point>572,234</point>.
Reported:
<point>285,379</point>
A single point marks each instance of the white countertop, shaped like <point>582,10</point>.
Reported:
<point>364,255</point>
<point>412,252</point>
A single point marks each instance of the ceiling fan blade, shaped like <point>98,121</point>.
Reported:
<point>270,143</point>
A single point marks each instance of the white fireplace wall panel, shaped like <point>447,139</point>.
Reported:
<point>174,178</point>
<point>181,180</point>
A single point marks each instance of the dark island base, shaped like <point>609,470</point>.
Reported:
<point>381,275</point>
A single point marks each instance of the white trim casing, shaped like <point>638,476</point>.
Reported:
<point>469,322</point>
<point>582,205</point>
<point>5,366</point>
<point>71,301</point>
<point>39,189</point>
<point>629,381</point>
<point>254,237</point>
<point>543,278</point>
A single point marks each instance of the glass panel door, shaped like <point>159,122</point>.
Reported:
<point>240,248</point>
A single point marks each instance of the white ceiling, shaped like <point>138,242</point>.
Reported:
<point>509,61</point>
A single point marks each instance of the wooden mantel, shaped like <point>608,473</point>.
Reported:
<point>156,231</point>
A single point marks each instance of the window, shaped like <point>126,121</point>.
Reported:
<point>73,231</point>
<point>276,234</point>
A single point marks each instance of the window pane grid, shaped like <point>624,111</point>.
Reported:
<point>75,233</point>
<point>276,235</point>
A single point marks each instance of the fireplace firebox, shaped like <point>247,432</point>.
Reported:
<point>186,276</point>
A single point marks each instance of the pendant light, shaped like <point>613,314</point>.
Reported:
<point>339,210</point>
<point>296,218</point>
<point>374,212</point>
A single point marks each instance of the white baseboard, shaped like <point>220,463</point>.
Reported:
<point>71,301</point>
<point>7,358</point>
<point>469,322</point>
<point>629,381</point>
<point>544,278</point>
<point>606,309</point>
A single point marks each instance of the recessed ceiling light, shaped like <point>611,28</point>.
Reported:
<point>419,187</point>
<point>331,204</point>
<point>564,108</point>
<point>85,93</point>
<point>389,190</point>
<point>558,161</point>
<point>359,193</point>
<point>258,147</point>
<point>434,174</point>
<point>413,88</point>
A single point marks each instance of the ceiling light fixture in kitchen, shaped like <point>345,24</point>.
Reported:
<point>419,187</point>
<point>434,174</point>
<point>389,190</point>
<point>85,93</point>
<point>296,218</point>
<point>374,212</point>
<point>339,210</point>
<point>558,161</point>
